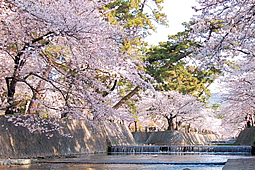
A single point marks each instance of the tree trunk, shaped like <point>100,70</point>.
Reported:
<point>187,128</point>
<point>170,124</point>
<point>18,64</point>
<point>170,121</point>
<point>11,83</point>
<point>37,94</point>
<point>135,126</point>
<point>252,120</point>
<point>11,86</point>
<point>178,125</point>
<point>126,98</point>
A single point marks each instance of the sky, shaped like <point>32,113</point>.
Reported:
<point>177,11</point>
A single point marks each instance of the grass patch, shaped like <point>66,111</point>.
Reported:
<point>225,144</point>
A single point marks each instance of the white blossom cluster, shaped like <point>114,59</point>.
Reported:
<point>38,124</point>
<point>225,29</point>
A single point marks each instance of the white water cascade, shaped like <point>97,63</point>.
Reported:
<point>182,149</point>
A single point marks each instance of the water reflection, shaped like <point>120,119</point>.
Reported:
<point>125,162</point>
<point>110,167</point>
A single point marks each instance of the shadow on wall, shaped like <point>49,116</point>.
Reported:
<point>246,137</point>
<point>87,137</point>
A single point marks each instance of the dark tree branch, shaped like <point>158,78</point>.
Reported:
<point>113,87</point>
<point>126,98</point>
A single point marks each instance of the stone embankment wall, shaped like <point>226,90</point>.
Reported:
<point>246,137</point>
<point>173,138</point>
<point>88,137</point>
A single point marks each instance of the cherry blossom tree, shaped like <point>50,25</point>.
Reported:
<point>57,57</point>
<point>225,29</point>
<point>177,109</point>
<point>238,95</point>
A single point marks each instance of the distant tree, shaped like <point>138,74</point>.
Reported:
<point>173,106</point>
<point>170,64</point>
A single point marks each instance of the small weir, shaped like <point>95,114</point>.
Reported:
<point>244,150</point>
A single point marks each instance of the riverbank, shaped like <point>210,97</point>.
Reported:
<point>87,137</point>
<point>246,137</point>
<point>90,137</point>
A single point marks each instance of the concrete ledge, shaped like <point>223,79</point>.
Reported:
<point>240,164</point>
<point>17,161</point>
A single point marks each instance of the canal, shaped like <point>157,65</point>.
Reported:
<point>177,161</point>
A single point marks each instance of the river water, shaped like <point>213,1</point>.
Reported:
<point>132,161</point>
